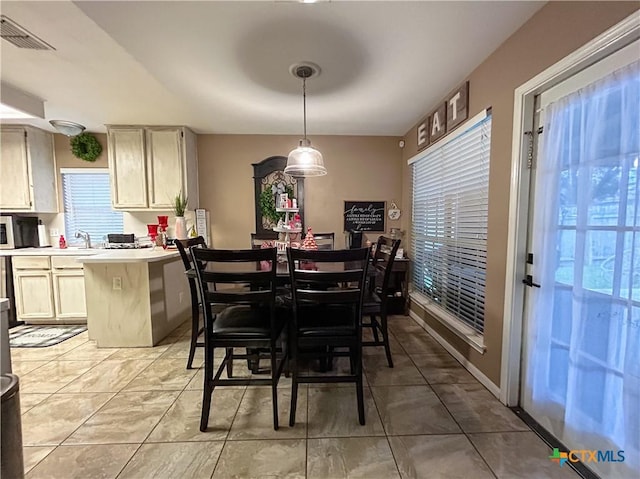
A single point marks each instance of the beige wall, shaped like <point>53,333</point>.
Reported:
<point>360,168</point>
<point>65,159</point>
<point>551,34</point>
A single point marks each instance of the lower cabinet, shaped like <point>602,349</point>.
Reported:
<point>49,289</point>
<point>33,295</point>
<point>68,288</point>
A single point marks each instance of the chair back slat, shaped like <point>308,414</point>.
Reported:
<point>236,256</point>
<point>253,277</point>
<point>324,256</point>
<point>343,296</point>
<point>328,276</point>
<point>239,297</point>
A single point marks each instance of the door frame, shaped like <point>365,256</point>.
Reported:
<point>616,37</point>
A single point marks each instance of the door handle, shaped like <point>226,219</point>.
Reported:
<point>529,281</point>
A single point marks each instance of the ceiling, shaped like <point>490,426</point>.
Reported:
<point>223,67</point>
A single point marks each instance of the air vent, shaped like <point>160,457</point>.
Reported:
<point>21,38</point>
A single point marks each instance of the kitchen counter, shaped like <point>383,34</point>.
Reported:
<point>50,252</point>
<point>144,255</point>
<point>135,297</point>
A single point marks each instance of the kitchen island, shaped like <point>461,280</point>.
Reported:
<point>135,297</point>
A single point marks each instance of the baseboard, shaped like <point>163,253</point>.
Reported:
<point>475,372</point>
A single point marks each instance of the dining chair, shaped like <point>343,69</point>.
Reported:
<point>326,318</point>
<point>376,299</point>
<point>256,241</point>
<point>196,330</point>
<point>250,319</point>
<point>325,240</point>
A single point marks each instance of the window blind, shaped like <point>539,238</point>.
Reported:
<point>87,205</point>
<point>449,230</point>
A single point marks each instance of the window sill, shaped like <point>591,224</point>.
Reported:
<point>460,329</point>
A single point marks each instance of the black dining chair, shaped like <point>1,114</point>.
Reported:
<point>325,240</point>
<point>376,300</point>
<point>249,320</point>
<point>196,330</point>
<point>326,317</point>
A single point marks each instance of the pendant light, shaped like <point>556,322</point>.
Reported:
<point>68,128</point>
<point>305,160</point>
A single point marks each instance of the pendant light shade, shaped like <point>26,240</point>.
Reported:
<point>305,160</point>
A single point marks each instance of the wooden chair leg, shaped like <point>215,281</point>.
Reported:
<point>229,358</point>
<point>385,336</point>
<point>374,328</point>
<point>352,361</point>
<point>294,391</point>
<point>195,327</point>
<point>359,387</point>
<point>274,387</point>
<point>207,390</point>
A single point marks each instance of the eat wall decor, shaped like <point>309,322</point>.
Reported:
<point>449,114</point>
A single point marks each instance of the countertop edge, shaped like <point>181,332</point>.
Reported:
<point>143,255</point>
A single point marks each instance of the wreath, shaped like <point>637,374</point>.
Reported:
<point>86,147</point>
<point>268,204</point>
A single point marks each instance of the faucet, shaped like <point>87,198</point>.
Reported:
<point>85,236</point>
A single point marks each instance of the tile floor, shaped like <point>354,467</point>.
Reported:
<point>134,413</point>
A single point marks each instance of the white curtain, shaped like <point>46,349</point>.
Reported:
<point>583,332</point>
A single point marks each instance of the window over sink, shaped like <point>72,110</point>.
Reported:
<point>87,204</point>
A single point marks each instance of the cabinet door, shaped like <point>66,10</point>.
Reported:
<point>33,295</point>
<point>15,187</point>
<point>68,293</point>
<point>164,166</point>
<point>127,168</point>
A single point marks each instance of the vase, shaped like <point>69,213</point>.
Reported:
<point>181,228</point>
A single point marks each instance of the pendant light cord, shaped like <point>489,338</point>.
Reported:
<point>304,105</point>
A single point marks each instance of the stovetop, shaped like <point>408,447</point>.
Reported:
<point>127,246</point>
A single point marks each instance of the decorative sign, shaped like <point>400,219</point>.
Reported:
<point>394,212</point>
<point>445,117</point>
<point>364,215</point>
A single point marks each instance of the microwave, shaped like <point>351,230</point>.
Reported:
<point>18,231</point>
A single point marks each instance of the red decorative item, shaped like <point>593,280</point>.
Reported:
<point>62,243</point>
<point>163,221</point>
<point>153,232</point>
<point>266,265</point>
<point>309,243</point>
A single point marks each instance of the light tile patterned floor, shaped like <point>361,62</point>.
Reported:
<point>134,413</point>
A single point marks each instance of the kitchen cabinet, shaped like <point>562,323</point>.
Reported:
<point>49,289</point>
<point>27,170</point>
<point>67,277</point>
<point>149,165</point>
<point>34,299</point>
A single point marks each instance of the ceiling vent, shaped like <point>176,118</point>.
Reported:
<point>21,38</point>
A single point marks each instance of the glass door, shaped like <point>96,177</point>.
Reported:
<point>581,354</point>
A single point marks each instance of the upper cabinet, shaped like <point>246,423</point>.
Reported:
<point>149,165</point>
<point>27,170</point>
